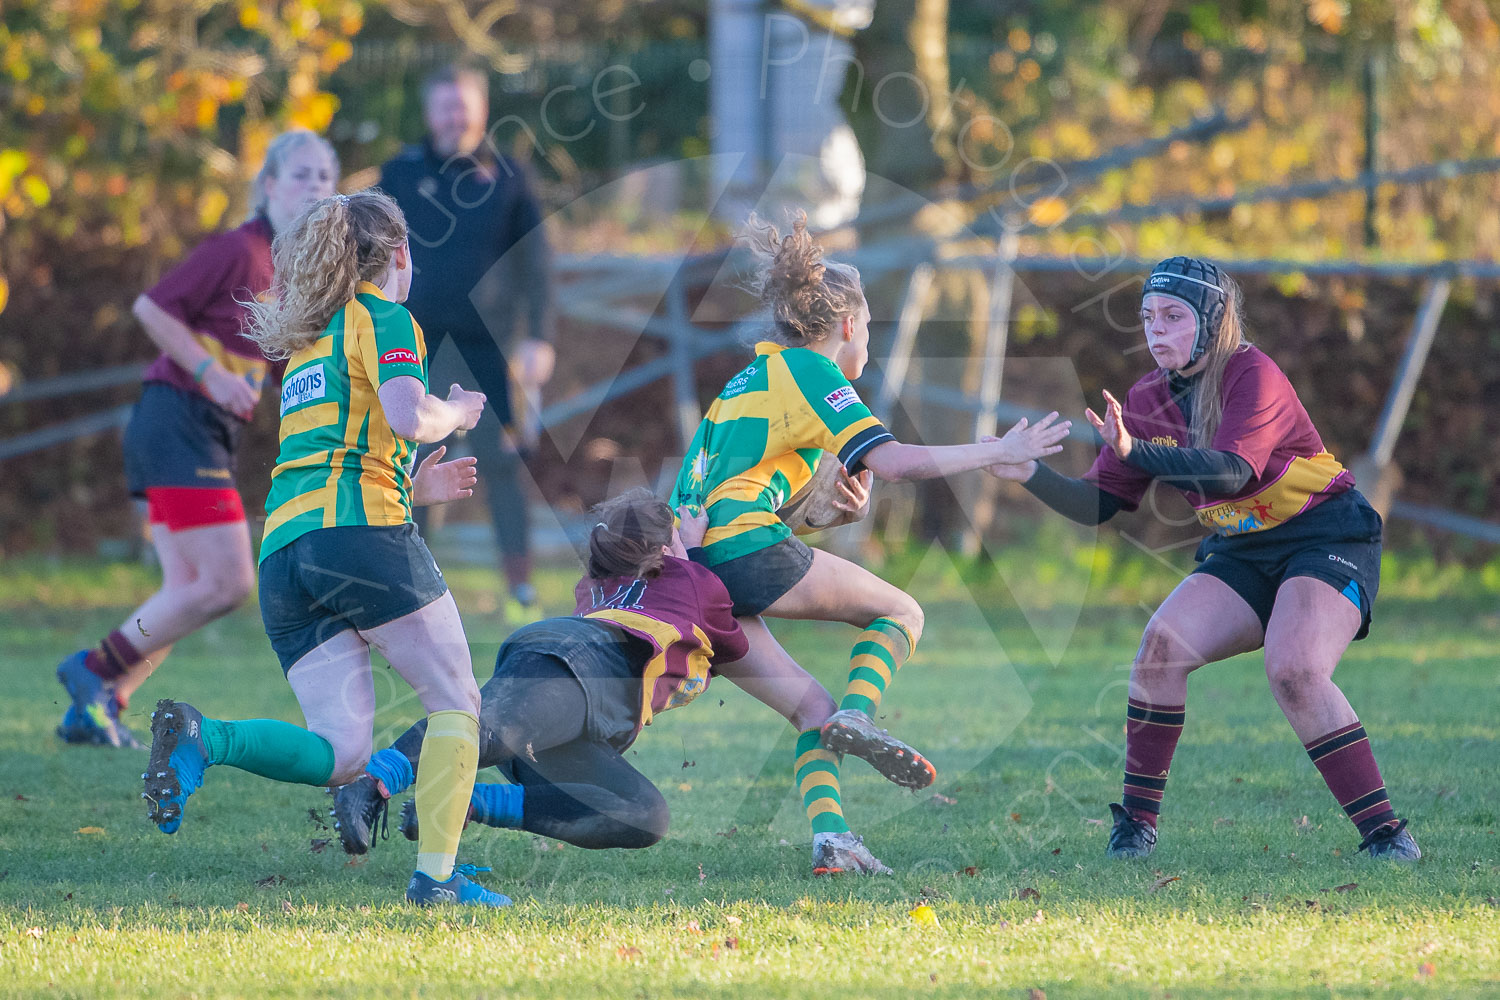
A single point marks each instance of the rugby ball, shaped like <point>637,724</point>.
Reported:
<point>811,508</point>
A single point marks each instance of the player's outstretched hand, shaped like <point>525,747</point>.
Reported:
<point>470,405</point>
<point>691,527</point>
<point>1019,472</point>
<point>1111,427</point>
<point>437,481</point>
<point>854,491</point>
<point>1026,441</point>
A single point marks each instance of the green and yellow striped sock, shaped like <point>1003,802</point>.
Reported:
<point>817,775</point>
<point>877,654</point>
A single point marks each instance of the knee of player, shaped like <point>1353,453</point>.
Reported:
<point>453,691</point>
<point>1161,646</point>
<point>649,825</point>
<point>512,740</point>
<point>221,593</point>
<point>1291,676</point>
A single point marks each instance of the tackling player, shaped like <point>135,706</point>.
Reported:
<point>570,695</point>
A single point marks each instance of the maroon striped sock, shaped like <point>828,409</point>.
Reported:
<point>1151,733</point>
<point>1347,763</point>
<point>113,656</point>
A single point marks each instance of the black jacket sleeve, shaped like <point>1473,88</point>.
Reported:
<point>534,279</point>
<point>1076,499</point>
<point>1202,470</point>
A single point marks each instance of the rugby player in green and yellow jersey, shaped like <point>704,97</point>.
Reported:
<point>761,442</point>
<point>342,568</point>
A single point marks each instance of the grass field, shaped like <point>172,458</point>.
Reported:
<point>1255,891</point>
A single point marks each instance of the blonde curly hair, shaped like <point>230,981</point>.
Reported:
<point>319,261</point>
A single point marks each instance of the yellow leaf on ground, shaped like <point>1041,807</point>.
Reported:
<point>922,914</point>
<point>91,829</point>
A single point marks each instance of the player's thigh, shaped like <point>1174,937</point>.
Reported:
<point>1203,620</point>
<point>214,550</point>
<point>586,762</point>
<point>768,673</point>
<point>428,648</point>
<point>176,569</point>
<point>837,590</point>
<point>1311,625</point>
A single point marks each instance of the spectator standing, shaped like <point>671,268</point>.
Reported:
<point>470,210</point>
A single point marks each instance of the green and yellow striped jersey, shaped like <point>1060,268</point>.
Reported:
<point>761,441</point>
<point>340,462</point>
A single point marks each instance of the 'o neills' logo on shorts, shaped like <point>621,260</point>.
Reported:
<point>1340,559</point>
<point>302,387</point>
<point>399,356</point>
<point>842,398</point>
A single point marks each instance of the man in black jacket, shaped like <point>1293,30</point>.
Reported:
<point>481,263</point>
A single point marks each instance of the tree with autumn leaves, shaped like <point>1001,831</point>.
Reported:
<point>131,124</point>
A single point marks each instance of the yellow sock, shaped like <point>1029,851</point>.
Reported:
<point>445,780</point>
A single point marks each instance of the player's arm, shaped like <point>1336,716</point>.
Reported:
<point>178,342</point>
<point>166,310</point>
<point>1076,499</point>
<point>769,675</point>
<point>169,333</point>
<point>417,415</point>
<point>1024,442</point>
<point>1202,470</point>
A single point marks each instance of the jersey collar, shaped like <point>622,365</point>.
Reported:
<point>769,347</point>
<point>369,288</point>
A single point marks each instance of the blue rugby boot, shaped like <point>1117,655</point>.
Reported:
<point>178,760</point>
<point>76,727</point>
<point>92,696</point>
<point>459,889</point>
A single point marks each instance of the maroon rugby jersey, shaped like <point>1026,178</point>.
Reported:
<point>204,294</point>
<point>1264,423</point>
<point>684,614</point>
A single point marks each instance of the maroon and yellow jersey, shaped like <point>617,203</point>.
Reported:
<point>684,614</point>
<point>1264,423</point>
<point>205,293</point>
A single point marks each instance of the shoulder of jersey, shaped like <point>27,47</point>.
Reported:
<point>1252,361</point>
